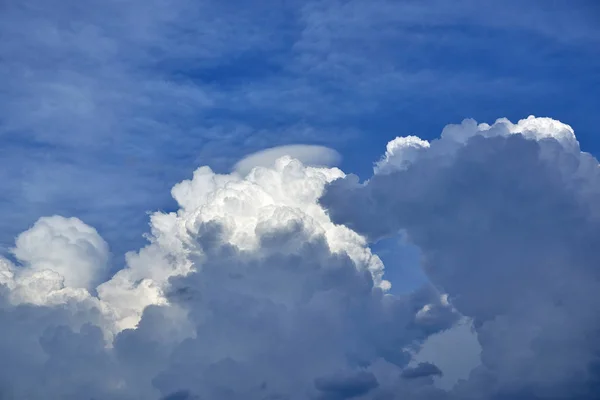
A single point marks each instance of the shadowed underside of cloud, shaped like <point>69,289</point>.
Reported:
<point>263,285</point>
<point>507,219</point>
<point>421,370</point>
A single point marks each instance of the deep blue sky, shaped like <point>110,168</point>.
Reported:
<point>104,105</point>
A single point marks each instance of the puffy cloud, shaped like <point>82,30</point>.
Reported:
<point>400,153</point>
<point>279,297</point>
<point>263,285</point>
<point>60,260</point>
<point>506,217</point>
<point>248,291</point>
<point>66,246</point>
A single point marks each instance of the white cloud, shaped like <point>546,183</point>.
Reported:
<point>265,200</point>
<point>313,155</point>
<point>404,151</point>
<point>66,246</point>
<point>60,260</point>
<point>399,154</point>
<point>248,290</point>
<point>251,290</point>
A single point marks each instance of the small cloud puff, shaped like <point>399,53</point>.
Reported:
<point>400,153</point>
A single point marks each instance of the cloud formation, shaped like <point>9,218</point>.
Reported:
<point>507,219</point>
<point>105,107</point>
<point>263,285</point>
<point>54,243</point>
<point>248,291</point>
<point>312,155</point>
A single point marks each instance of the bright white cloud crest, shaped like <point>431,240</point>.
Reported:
<point>314,155</point>
<point>66,246</point>
<point>251,291</point>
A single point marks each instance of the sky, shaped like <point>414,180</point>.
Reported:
<point>105,105</point>
<point>146,205</point>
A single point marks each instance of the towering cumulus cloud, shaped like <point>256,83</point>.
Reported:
<point>263,286</point>
<point>248,291</point>
<point>507,218</point>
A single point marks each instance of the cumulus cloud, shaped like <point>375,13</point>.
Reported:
<point>399,153</point>
<point>248,291</point>
<point>60,259</point>
<point>66,246</point>
<point>263,285</point>
<point>507,219</point>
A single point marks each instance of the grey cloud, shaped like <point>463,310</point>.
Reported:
<point>180,395</point>
<point>44,358</point>
<point>346,386</point>
<point>105,106</point>
<point>421,370</point>
<point>250,291</point>
<point>276,329</point>
<point>508,227</point>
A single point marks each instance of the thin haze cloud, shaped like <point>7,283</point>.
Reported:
<point>320,156</point>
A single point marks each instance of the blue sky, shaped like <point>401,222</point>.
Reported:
<point>264,284</point>
<point>104,105</point>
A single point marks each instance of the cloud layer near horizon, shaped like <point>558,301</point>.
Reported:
<point>263,285</point>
